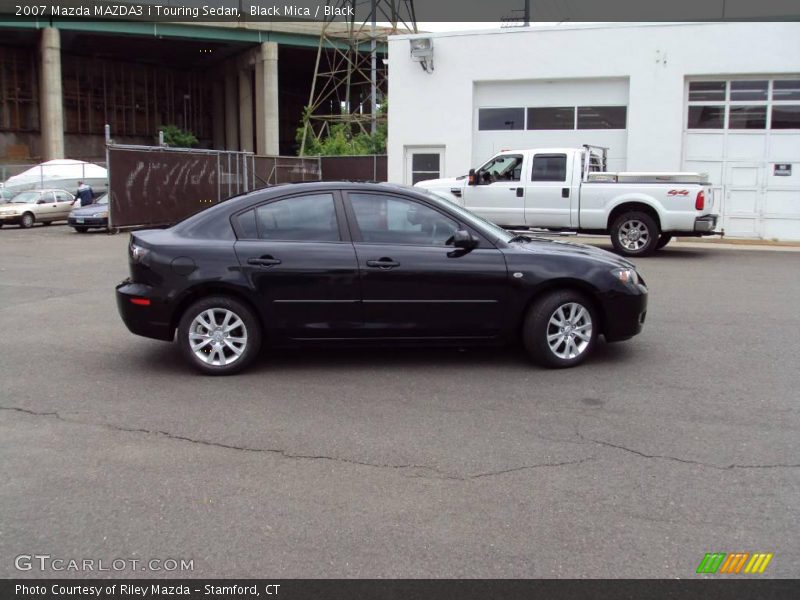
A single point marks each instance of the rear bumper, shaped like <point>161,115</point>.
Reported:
<point>151,320</point>
<point>705,225</point>
<point>624,315</point>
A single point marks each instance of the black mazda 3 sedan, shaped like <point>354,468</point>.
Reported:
<point>349,263</point>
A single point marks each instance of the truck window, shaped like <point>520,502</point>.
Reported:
<point>506,167</point>
<point>549,167</point>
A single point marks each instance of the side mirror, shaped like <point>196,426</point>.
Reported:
<point>472,179</point>
<point>462,240</point>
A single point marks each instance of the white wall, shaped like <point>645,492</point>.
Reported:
<point>437,109</point>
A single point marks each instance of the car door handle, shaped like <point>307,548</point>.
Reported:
<point>263,261</point>
<point>383,263</point>
<point>565,192</point>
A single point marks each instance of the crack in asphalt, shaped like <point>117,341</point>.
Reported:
<point>285,454</point>
<point>682,460</point>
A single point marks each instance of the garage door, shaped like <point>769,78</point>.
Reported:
<point>745,132</point>
<point>547,113</point>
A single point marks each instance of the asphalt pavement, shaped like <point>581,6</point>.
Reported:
<point>414,463</point>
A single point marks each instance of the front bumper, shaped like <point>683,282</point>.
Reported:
<point>624,314</point>
<point>10,219</point>
<point>706,224</point>
<point>88,221</point>
<point>152,320</point>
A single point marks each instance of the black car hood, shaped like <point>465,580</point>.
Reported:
<point>548,246</point>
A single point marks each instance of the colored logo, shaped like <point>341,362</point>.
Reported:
<point>735,563</point>
<point>678,193</point>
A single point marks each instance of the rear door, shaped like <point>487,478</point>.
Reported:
<point>64,202</point>
<point>298,257</point>
<point>499,194</point>
<point>548,194</point>
<point>413,285</point>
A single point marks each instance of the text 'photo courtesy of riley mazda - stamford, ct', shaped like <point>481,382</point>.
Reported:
<point>399,299</point>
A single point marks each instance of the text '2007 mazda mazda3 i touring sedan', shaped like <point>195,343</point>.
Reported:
<point>350,263</point>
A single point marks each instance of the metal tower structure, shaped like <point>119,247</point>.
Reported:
<point>349,79</point>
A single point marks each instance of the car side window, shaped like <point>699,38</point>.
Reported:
<point>310,218</point>
<point>506,167</point>
<point>391,220</point>
<point>549,167</point>
<point>63,197</point>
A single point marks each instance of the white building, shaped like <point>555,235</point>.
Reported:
<point>720,98</point>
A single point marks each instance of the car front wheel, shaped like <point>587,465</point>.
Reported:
<point>560,329</point>
<point>27,221</point>
<point>219,335</point>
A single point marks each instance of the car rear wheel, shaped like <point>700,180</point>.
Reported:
<point>634,233</point>
<point>219,335</point>
<point>81,229</point>
<point>560,329</point>
<point>27,221</point>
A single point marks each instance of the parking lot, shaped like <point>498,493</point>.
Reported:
<point>413,463</point>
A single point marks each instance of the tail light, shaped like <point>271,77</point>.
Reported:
<point>700,201</point>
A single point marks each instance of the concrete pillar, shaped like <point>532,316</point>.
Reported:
<point>218,117</point>
<point>246,109</point>
<point>267,122</point>
<point>51,102</point>
<point>231,111</point>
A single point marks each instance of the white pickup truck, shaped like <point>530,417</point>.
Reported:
<point>569,189</point>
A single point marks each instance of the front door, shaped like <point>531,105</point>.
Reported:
<point>297,256</point>
<point>64,202</point>
<point>548,196</point>
<point>413,285</point>
<point>498,194</point>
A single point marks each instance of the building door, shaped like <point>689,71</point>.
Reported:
<point>423,163</point>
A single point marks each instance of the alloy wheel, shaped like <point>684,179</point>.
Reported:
<point>634,235</point>
<point>569,330</point>
<point>218,336</point>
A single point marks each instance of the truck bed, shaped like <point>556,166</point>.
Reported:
<point>641,177</point>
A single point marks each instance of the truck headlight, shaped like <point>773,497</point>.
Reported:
<point>626,276</point>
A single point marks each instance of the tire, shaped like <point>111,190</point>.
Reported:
<point>634,233</point>
<point>81,229</point>
<point>541,323</point>
<point>27,221</point>
<point>663,240</point>
<point>210,355</point>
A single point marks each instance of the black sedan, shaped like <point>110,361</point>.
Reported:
<point>334,263</point>
<point>91,216</point>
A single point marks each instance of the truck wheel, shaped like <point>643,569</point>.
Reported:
<point>560,329</point>
<point>634,234</point>
<point>663,240</point>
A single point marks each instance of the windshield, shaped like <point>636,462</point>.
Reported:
<point>25,198</point>
<point>102,199</point>
<point>479,223</point>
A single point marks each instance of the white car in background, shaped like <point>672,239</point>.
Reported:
<point>37,206</point>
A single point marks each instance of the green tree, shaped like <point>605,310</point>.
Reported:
<point>175,137</point>
<point>341,141</point>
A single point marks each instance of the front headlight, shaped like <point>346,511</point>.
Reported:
<point>101,214</point>
<point>626,276</point>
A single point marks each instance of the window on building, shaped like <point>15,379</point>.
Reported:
<point>602,117</point>
<point>786,89</point>
<point>495,119</point>
<point>551,117</point>
<point>747,117</point>
<point>786,116</point>
<point>748,90</point>
<point>549,167</point>
<point>425,166</point>
<point>706,117</point>
<point>706,91</point>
